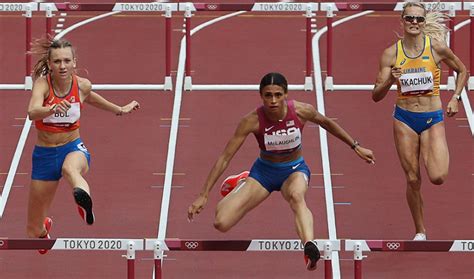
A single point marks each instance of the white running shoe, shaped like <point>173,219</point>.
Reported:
<point>420,236</point>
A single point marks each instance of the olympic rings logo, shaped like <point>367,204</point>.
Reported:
<point>191,245</point>
<point>73,6</point>
<point>354,6</point>
<point>393,245</point>
<point>212,6</point>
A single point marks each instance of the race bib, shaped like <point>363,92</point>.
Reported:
<point>416,83</point>
<point>283,139</point>
<point>71,116</point>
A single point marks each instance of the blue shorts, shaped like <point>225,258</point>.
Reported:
<point>272,175</point>
<point>48,161</point>
<point>418,121</point>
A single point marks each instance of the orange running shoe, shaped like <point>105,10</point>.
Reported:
<point>311,255</point>
<point>48,223</point>
<point>233,181</point>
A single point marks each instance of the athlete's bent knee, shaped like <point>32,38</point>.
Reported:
<point>68,170</point>
<point>414,182</point>
<point>438,180</point>
<point>221,226</point>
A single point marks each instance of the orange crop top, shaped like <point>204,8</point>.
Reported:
<point>62,122</point>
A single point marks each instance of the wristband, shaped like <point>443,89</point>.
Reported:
<point>355,144</point>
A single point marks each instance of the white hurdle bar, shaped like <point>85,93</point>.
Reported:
<point>254,245</point>
<point>360,246</point>
<point>75,244</point>
<point>309,10</point>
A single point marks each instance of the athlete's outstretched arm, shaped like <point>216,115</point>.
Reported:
<point>309,113</point>
<point>100,102</point>
<point>246,126</point>
<point>387,75</point>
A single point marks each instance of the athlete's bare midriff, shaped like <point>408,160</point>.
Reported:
<point>420,103</point>
<point>282,158</point>
<point>49,139</point>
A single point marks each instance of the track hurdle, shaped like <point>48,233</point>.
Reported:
<point>189,8</point>
<point>253,245</point>
<point>360,246</point>
<point>28,9</point>
<point>330,8</point>
<point>74,244</point>
<point>151,7</point>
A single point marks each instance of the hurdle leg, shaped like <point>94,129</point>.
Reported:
<point>471,52</point>
<point>168,81</point>
<point>328,83</point>
<point>327,256</point>
<point>358,260</point>
<point>131,260</point>
<point>158,256</point>
<point>28,80</point>
<point>308,83</point>
<point>187,79</point>
<point>451,84</point>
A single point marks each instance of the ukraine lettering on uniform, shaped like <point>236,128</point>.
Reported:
<point>414,70</point>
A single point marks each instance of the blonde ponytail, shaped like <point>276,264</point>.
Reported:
<point>435,25</point>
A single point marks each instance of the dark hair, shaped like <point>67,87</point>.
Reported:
<point>274,79</point>
<point>42,48</point>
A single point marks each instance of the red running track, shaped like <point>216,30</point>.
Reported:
<point>125,164</point>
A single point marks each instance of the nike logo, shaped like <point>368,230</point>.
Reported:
<point>429,121</point>
<point>294,167</point>
<point>268,129</point>
<point>403,62</point>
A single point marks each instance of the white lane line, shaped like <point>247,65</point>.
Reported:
<point>14,166</point>
<point>465,97</point>
<point>323,140</point>
<point>163,224</point>
<point>26,128</point>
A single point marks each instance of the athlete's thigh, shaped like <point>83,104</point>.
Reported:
<point>76,160</point>
<point>407,143</point>
<point>434,149</point>
<point>295,184</point>
<point>243,198</point>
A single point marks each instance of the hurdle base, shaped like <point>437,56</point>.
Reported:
<point>451,85</point>
<point>28,83</point>
<point>308,84</point>
<point>470,85</point>
<point>329,84</point>
<point>168,86</point>
<point>188,83</point>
